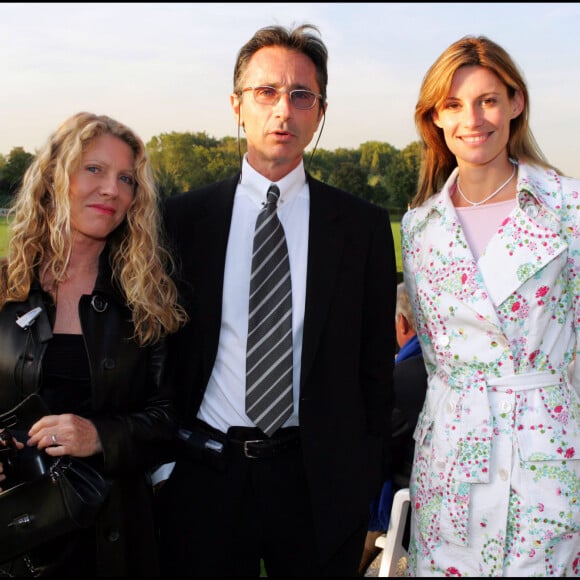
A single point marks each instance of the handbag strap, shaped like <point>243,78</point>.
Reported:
<point>24,414</point>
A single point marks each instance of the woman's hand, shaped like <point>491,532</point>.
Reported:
<point>65,434</point>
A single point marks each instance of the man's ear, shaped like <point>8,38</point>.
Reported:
<point>405,326</point>
<point>236,104</point>
<point>402,324</point>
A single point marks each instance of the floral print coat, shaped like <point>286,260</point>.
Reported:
<point>495,483</point>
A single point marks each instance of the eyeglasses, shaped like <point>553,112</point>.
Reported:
<point>300,98</point>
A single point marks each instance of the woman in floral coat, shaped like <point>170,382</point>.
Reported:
<point>491,252</point>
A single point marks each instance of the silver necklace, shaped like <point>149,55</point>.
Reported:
<point>476,203</point>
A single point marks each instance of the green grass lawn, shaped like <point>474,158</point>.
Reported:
<point>3,236</point>
<point>395,226</point>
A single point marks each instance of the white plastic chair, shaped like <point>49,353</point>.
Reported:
<point>392,541</point>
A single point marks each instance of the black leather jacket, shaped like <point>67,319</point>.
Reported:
<point>132,411</point>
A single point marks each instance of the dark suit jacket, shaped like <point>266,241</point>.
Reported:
<point>348,347</point>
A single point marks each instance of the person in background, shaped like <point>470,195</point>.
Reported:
<point>491,257</point>
<point>294,495</point>
<point>85,248</point>
<point>409,384</point>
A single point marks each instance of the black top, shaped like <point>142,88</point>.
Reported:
<point>66,385</point>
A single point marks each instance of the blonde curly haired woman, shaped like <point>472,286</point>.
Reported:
<point>86,262</point>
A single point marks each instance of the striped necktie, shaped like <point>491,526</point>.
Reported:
<point>269,397</point>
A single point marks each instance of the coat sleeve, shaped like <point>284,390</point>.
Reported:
<point>571,225</point>
<point>139,432</point>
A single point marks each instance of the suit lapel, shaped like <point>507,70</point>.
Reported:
<point>208,251</point>
<point>325,248</point>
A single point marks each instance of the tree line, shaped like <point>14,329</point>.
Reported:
<point>375,170</point>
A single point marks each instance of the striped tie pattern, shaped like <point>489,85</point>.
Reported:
<point>269,398</point>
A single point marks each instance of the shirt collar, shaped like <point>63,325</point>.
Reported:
<point>256,185</point>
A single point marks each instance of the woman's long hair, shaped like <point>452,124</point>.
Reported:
<point>41,235</point>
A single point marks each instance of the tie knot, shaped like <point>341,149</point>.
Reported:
<point>273,194</point>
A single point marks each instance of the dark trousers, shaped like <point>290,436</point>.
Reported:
<point>222,518</point>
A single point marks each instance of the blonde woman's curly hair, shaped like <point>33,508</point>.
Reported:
<point>41,230</point>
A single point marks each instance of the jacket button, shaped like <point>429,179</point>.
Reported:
<point>109,364</point>
<point>113,535</point>
<point>505,406</point>
<point>99,304</point>
<point>532,211</point>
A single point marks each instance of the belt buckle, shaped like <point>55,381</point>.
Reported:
<point>248,452</point>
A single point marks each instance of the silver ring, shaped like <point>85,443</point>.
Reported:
<point>53,437</point>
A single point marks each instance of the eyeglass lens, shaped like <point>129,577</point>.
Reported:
<point>300,98</point>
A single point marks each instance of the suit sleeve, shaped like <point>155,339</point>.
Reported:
<point>379,348</point>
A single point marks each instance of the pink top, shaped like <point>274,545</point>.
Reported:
<point>482,222</point>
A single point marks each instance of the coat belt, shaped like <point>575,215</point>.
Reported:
<point>474,446</point>
<point>475,421</point>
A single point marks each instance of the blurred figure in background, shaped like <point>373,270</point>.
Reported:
<point>409,384</point>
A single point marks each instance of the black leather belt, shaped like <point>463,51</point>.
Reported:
<point>283,440</point>
<point>205,442</point>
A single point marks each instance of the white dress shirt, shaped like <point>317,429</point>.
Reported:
<point>224,402</point>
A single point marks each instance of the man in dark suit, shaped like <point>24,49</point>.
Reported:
<point>296,499</point>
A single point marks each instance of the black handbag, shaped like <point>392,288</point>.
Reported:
<point>43,497</point>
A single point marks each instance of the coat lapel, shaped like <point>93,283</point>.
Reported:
<point>526,242</point>
<point>445,258</point>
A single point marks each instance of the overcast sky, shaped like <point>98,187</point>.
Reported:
<point>164,67</point>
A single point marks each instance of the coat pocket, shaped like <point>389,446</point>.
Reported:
<point>548,439</point>
<point>549,425</point>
